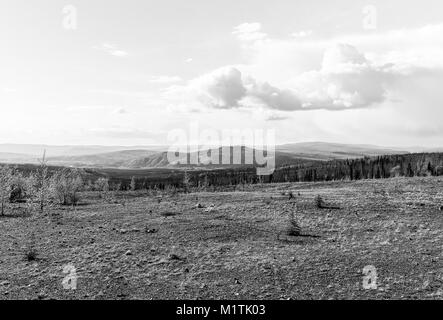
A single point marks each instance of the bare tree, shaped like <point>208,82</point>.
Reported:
<point>31,190</point>
<point>102,185</point>
<point>133,184</point>
<point>42,182</point>
<point>65,186</point>
<point>293,228</point>
<point>5,186</point>
<point>187,182</point>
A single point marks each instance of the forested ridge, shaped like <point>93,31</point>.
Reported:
<point>378,167</point>
<point>387,166</point>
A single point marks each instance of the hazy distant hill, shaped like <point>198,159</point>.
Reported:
<point>115,159</point>
<point>156,156</point>
<point>160,160</point>
<point>330,151</point>
<point>36,150</point>
<point>8,157</point>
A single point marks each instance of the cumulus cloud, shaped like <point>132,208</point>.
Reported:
<point>347,72</point>
<point>408,49</point>
<point>222,88</point>
<point>228,88</point>
<point>342,56</point>
<point>345,80</point>
<point>272,97</point>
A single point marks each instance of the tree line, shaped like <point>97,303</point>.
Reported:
<point>379,167</point>
<point>41,185</point>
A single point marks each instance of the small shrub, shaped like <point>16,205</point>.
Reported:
<point>66,185</point>
<point>293,228</point>
<point>171,190</point>
<point>173,256</point>
<point>169,214</point>
<point>319,202</point>
<point>102,185</point>
<point>31,254</point>
<point>187,183</point>
<point>19,190</point>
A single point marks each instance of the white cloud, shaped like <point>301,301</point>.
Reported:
<point>111,49</point>
<point>345,80</point>
<point>377,87</point>
<point>228,88</point>
<point>268,96</point>
<point>249,32</point>
<point>223,88</point>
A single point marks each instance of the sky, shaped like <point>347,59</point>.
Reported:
<point>130,72</point>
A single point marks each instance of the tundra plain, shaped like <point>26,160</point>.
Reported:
<point>231,244</point>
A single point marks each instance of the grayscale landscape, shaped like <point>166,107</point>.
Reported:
<point>221,150</point>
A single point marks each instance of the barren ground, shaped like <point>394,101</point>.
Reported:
<point>141,246</point>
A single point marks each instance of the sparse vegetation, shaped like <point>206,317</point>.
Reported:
<point>41,189</point>
<point>293,228</point>
<point>133,184</point>
<point>5,187</point>
<point>18,187</point>
<point>31,254</point>
<point>31,250</point>
<point>102,185</point>
<point>66,185</point>
<point>187,181</point>
<point>319,202</point>
<point>238,240</point>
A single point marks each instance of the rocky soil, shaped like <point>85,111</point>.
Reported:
<point>232,245</point>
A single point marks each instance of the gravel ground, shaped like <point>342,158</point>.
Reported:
<point>232,245</point>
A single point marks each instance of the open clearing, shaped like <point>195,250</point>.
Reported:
<point>233,246</point>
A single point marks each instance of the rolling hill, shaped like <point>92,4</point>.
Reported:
<point>331,151</point>
<point>36,150</point>
<point>9,157</point>
<point>114,159</point>
<point>156,156</point>
<point>160,160</point>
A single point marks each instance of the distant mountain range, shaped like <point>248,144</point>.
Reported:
<point>156,156</point>
<point>36,150</point>
<point>330,151</point>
